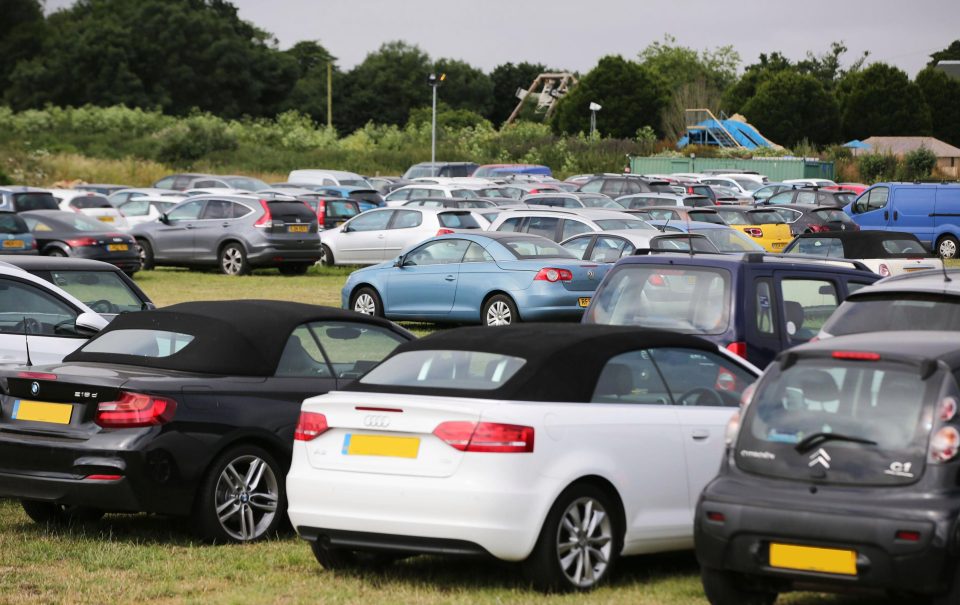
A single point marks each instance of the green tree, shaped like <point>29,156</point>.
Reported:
<point>950,53</point>
<point>465,86</point>
<point>507,78</point>
<point>882,101</point>
<point>790,107</point>
<point>309,93</point>
<point>942,94</point>
<point>22,31</point>
<point>679,65</point>
<point>737,95</point>
<point>631,97</point>
<point>827,68</point>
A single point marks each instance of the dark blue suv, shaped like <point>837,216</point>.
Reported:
<point>754,304</point>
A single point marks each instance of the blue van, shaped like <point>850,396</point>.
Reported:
<point>930,211</point>
<point>754,304</point>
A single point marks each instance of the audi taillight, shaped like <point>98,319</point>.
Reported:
<point>444,231</point>
<point>266,220</point>
<point>944,444</point>
<point>310,426</point>
<point>884,270</point>
<point>490,437</point>
<point>553,275</point>
<point>753,231</point>
<point>738,348</point>
<point>80,242</point>
<point>135,410</point>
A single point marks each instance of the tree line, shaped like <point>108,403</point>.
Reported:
<point>181,56</point>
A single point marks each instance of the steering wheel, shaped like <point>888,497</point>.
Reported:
<point>102,306</point>
<point>28,325</point>
<point>710,396</point>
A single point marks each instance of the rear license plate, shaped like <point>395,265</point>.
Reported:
<point>584,301</point>
<point>13,243</point>
<point>118,247</point>
<point>39,411</point>
<point>380,445</point>
<point>298,228</point>
<point>106,219</point>
<point>779,244</point>
<point>809,558</point>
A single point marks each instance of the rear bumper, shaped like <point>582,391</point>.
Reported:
<point>116,496</point>
<point>552,302</point>
<point>356,540</point>
<point>272,256</point>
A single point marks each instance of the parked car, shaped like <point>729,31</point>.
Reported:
<point>810,182</point>
<point>397,197</point>
<point>728,195</point>
<point>64,233</point>
<point>840,475</point>
<point>182,182</point>
<point>744,184</point>
<point>440,169</point>
<point>929,211</point>
<point>813,196</point>
<point>883,252</point>
<point>366,198</point>
<point>766,227</point>
<point>754,304</point>
<point>500,170</point>
<point>450,202</point>
<point>146,208</point>
<point>22,199</point>
<point>336,178</point>
<point>102,287</point>
<point>615,186</point>
<point>558,225</point>
<point>766,191</point>
<point>668,213</point>
<point>431,451</point>
<point>804,218</point>
<point>381,234</point>
<point>233,233</point>
<point>696,188</point>
<point>101,188</point>
<point>33,311</point>
<point>611,246</point>
<point>643,200</point>
<point>118,198</point>
<point>927,301</point>
<point>490,278</point>
<point>91,204</point>
<point>576,199</point>
<point>724,237</point>
<point>188,411</point>
<point>15,236</point>
<point>331,211</point>
<point>385,184</point>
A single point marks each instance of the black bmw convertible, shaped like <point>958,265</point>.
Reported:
<point>188,410</point>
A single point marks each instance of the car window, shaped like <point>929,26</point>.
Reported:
<point>399,194</point>
<point>701,378</point>
<point>28,308</point>
<point>446,369</point>
<point>819,246</point>
<point>593,186</point>
<point>407,219</point>
<point>578,245</point>
<point>806,197</point>
<point>609,249</point>
<point>789,215</point>
<point>102,291</point>
<point>535,247</point>
<point>352,348</point>
<point>242,210</point>
<point>511,224</point>
<point>765,315</point>
<point>661,214</point>
<point>372,220</point>
<point>784,197</point>
<point>11,223</point>
<point>572,227</point>
<point>85,202</point>
<point>34,201</point>
<point>732,217</point>
<point>611,224</point>
<point>181,182</point>
<point>440,252</point>
<point>186,211</point>
<point>807,303</point>
<point>208,184</point>
<point>135,208</point>
<point>463,193</point>
<point>217,209</point>
<point>730,240</point>
<point>613,187</point>
<point>545,226</point>
<point>904,246</point>
<point>877,198</point>
<point>302,357</point>
<point>545,201</point>
<point>706,217</point>
<point>458,220</point>
<point>477,254</point>
<point>141,343</point>
<point>164,183</point>
<point>630,378</point>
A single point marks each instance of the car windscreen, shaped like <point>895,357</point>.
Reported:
<point>140,343</point>
<point>23,202</point>
<point>688,299</point>
<point>697,201</point>
<point>102,291</point>
<point>729,240</point>
<point>840,421</point>
<point>895,311</point>
<point>611,224</point>
<point>341,208</point>
<point>11,223</point>
<point>246,183</point>
<point>535,247</point>
<point>86,202</point>
<point>458,220</point>
<point>444,369</point>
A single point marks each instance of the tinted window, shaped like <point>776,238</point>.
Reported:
<point>11,223</point>
<point>441,252</point>
<point>372,220</point>
<point>90,201</point>
<point>631,378</point>
<point>900,311</point>
<point>407,219</point>
<point>832,215</point>
<point>141,343</point>
<point>764,217</point>
<point>788,215</point>
<point>218,209</point>
<point>302,357</point>
<point>21,302</point>
<point>572,227</point>
<point>545,226</point>
<point>466,370</point>
<point>904,246</point>
<point>288,212</point>
<point>458,220</point>
<point>186,211</point>
<point>765,317</point>
<point>341,209</point>
<point>354,348</point>
<point>807,303</point>
<point>23,202</point>
<point>706,217</point>
<point>819,246</point>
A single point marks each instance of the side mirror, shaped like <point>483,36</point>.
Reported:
<point>398,262</point>
<point>164,219</point>
<point>88,324</point>
<point>345,229</point>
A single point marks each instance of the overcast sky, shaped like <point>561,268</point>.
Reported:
<point>573,34</point>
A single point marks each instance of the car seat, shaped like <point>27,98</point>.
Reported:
<point>296,361</point>
<point>615,381</point>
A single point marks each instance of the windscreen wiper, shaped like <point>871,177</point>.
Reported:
<point>811,441</point>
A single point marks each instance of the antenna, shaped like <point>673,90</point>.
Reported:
<point>26,340</point>
<point>689,235</point>
<point>943,266</point>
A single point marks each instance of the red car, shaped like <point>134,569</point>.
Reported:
<point>857,188</point>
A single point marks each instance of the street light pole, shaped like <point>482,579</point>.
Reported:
<point>434,80</point>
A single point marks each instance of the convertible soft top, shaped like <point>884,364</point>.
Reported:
<point>231,337</point>
<point>563,361</point>
<point>868,243</point>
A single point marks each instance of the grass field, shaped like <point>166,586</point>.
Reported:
<point>142,558</point>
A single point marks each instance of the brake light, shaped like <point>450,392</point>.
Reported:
<point>135,409</point>
<point>818,228</point>
<point>81,242</point>
<point>733,429</point>
<point>267,219</point>
<point>103,477</point>
<point>738,348</point>
<point>443,231</point>
<point>753,231</point>
<point>884,270</point>
<point>34,245</point>
<point>856,355</point>
<point>310,426</point>
<point>716,517</point>
<point>490,437</point>
<point>908,536</point>
<point>36,375</point>
<point>321,211</point>
<point>943,445</point>
<point>553,275</point>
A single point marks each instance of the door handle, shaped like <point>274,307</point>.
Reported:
<point>224,224</point>
<point>699,434</point>
<point>188,227</point>
<point>450,278</point>
<point>896,215</point>
<point>886,215</point>
<point>380,236</point>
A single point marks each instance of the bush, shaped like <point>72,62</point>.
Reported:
<point>875,167</point>
<point>193,138</point>
<point>4,179</point>
<point>919,164</point>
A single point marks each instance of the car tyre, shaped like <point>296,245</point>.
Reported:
<point>55,252</point>
<point>366,301</point>
<point>727,588</point>
<point>242,498</point>
<point>326,256</point>
<point>579,543</point>
<point>146,255</point>
<point>499,310</point>
<point>233,260</point>
<point>59,514</point>
<point>295,269</point>
<point>948,247</point>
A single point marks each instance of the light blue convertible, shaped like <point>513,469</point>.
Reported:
<point>494,278</point>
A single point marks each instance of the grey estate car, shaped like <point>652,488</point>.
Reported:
<point>235,233</point>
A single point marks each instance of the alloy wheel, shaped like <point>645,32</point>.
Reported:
<point>232,261</point>
<point>948,249</point>
<point>499,314</point>
<point>365,304</point>
<point>246,497</point>
<point>584,542</point>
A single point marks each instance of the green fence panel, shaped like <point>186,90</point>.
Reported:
<point>776,169</point>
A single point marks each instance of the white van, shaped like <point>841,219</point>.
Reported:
<point>335,178</point>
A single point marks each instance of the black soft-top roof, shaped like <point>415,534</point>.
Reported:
<point>868,243</point>
<point>563,361</point>
<point>231,338</point>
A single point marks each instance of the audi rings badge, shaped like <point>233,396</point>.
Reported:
<point>374,421</point>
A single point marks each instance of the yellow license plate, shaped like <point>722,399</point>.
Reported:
<point>39,411</point>
<point>381,445</point>
<point>809,558</point>
<point>778,245</point>
<point>13,243</point>
<point>118,247</point>
<point>106,219</point>
<point>298,228</point>
<point>584,301</point>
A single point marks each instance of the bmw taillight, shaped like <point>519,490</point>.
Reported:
<point>266,220</point>
<point>36,375</point>
<point>489,437</point>
<point>553,275</point>
<point>135,410</point>
<point>310,426</point>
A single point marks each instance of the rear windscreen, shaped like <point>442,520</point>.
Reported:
<point>458,220</point>
<point>840,421</point>
<point>833,215</point>
<point>341,209</point>
<point>440,369</point>
<point>895,312</point>
<point>706,217</point>
<point>34,201</point>
<point>730,240</point>
<point>622,223</point>
<point>291,212</point>
<point>764,217</point>
<point>90,201</point>
<point>366,196</point>
<point>11,223</point>
<point>660,187</point>
<point>697,201</point>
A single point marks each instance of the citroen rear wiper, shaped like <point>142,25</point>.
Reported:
<point>811,441</point>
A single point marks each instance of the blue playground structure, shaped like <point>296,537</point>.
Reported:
<point>704,128</point>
